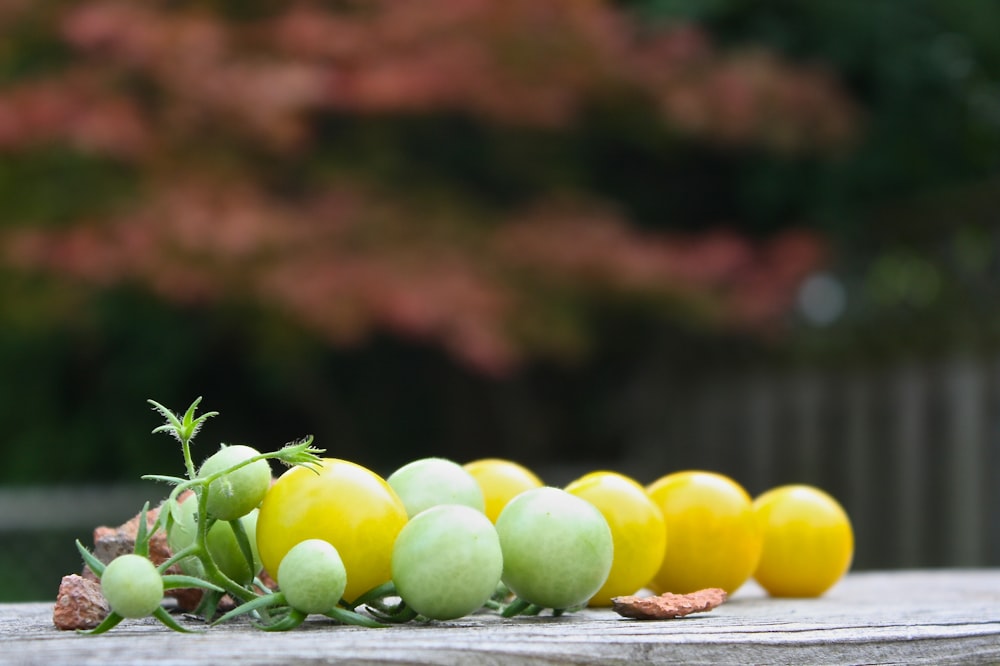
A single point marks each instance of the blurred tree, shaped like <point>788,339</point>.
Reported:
<point>495,180</point>
<point>911,209</point>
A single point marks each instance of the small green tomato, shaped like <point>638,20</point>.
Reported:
<point>557,548</point>
<point>429,482</point>
<point>235,494</point>
<point>132,586</point>
<point>447,562</point>
<point>312,576</point>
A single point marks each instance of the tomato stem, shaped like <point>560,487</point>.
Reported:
<point>290,621</point>
<point>345,616</point>
<point>378,592</point>
<point>184,553</point>
<point>515,607</point>
<point>212,571</point>
<point>397,614</point>
<point>265,601</point>
<point>240,532</point>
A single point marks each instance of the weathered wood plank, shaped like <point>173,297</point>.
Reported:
<point>944,616</point>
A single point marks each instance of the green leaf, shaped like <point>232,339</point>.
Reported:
<point>189,414</point>
<point>179,581</point>
<point>142,533</point>
<point>163,616</point>
<point>173,424</point>
<point>184,428</point>
<point>164,519</point>
<point>90,559</point>
<point>191,425</point>
<point>300,452</point>
<point>110,622</point>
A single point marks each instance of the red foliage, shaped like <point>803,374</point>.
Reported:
<point>520,62</point>
<point>316,263</point>
<point>75,111</point>
<point>748,286</point>
<point>153,84</point>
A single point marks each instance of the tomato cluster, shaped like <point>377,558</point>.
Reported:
<point>446,534</point>
<point>441,540</point>
<point>425,529</point>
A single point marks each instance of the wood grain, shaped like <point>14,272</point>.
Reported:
<point>930,616</point>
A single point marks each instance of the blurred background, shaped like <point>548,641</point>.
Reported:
<point>641,235</point>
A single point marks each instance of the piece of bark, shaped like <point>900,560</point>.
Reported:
<point>668,605</point>
<point>79,604</point>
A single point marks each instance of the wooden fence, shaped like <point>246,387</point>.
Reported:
<point>912,450</point>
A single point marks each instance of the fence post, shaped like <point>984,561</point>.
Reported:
<point>908,460</point>
<point>966,397</point>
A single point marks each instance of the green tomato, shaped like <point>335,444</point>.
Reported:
<point>132,586</point>
<point>557,548</point>
<point>239,492</point>
<point>182,532</point>
<point>429,482</point>
<point>221,542</point>
<point>312,576</point>
<point>447,561</point>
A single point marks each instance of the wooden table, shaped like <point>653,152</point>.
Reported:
<point>934,617</point>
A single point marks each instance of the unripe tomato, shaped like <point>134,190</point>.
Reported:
<point>501,481</point>
<point>235,494</point>
<point>808,541</point>
<point>312,576</point>
<point>132,586</point>
<point>637,529</point>
<point>429,482</point>
<point>221,542</point>
<point>713,539</point>
<point>447,561</point>
<point>342,503</point>
<point>557,548</point>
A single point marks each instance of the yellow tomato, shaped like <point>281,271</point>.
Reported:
<point>808,541</point>
<point>345,504</point>
<point>501,480</point>
<point>637,527</point>
<point>713,539</point>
